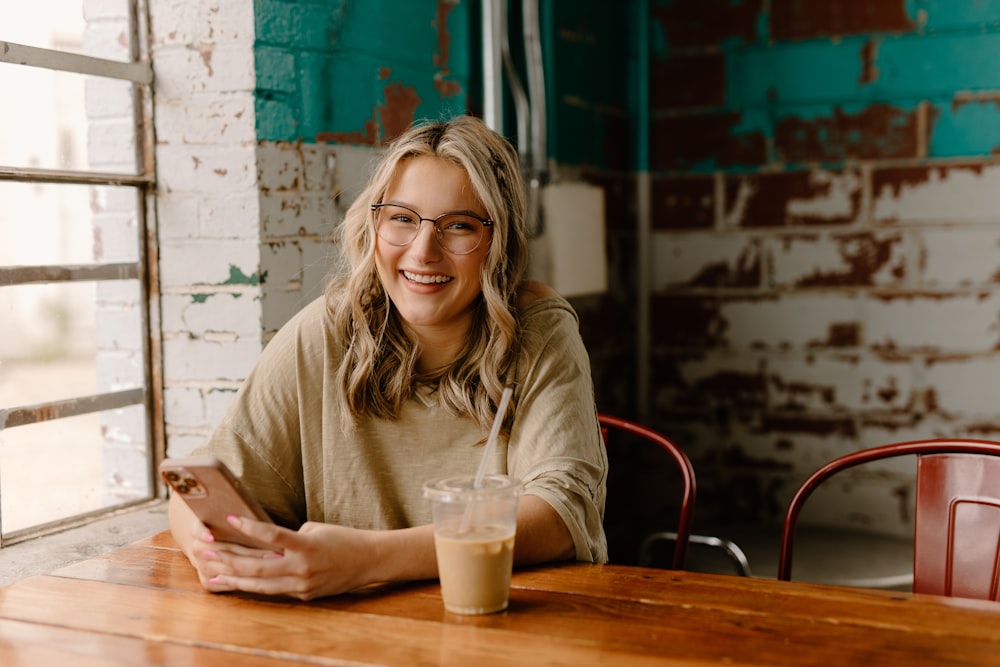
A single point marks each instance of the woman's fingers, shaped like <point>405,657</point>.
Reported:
<point>276,536</point>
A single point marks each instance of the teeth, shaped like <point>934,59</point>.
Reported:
<point>426,280</point>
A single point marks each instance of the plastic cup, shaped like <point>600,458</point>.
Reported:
<point>474,540</point>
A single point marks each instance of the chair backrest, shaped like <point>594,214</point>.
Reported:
<point>957,517</point>
<point>684,524</point>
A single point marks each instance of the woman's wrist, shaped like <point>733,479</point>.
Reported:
<point>402,555</point>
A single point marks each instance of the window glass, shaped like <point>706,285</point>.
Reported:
<point>73,122</point>
<point>60,25</point>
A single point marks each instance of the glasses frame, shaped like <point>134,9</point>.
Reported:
<point>438,234</point>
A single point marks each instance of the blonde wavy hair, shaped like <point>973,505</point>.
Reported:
<point>379,368</point>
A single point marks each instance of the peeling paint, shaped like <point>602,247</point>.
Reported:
<point>444,87</point>
<point>797,393</point>
<point>964,97</point>
<point>877,131</point>
<point>869,56</point>
<point>864,254</point>
<point>705,142</point>
<point>889,393</point>
<point>747,271</point>
<point>844,334</point>
<point>941,191</point>
<point>203,297</point>
<point>237,277</point>
<point>801,197</point>
<point>205,51</point>
<point>365,137</point>
<point>805,19</point>
<point>399,110</point>
<point>687,24</point>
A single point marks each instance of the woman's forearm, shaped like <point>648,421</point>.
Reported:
<point>407,554</point>
<point>542,535</point>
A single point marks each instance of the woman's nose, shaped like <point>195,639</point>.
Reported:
<point>425,243</point>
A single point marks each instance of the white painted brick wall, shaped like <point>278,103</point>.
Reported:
<point>207,119</point>
<point>797,320</point>
<point>191,168</point>
<point>957,323</point>
<point>115,235</point>
<point>680,258</point>
<point>207,211</point>
<point>962,195</point>
<point>795,259</point>
<point>886,319</point>
<point>237,312</point>
<point>960,257</point>
<point>968,387</point>
<point>196,264</point>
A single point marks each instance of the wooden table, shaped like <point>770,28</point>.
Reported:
<point>142,605</point>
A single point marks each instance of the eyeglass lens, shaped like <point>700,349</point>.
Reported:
<point>457,233</point>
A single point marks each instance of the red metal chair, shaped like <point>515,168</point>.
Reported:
<point>686,520</point>
<point>957,517</point>
<point>683,536</point>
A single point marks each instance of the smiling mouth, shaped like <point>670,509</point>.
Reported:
<point>426,280</point>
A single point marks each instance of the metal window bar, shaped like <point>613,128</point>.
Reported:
<point>140,73</point>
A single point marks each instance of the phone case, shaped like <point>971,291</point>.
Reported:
<point>213,493</point>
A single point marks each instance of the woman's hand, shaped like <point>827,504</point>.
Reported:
<point>323,559</point>
<point>315,561</point>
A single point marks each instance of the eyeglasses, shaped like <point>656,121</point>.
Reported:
<point>458,233</point>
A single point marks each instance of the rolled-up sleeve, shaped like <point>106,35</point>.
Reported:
<point>555,446</point>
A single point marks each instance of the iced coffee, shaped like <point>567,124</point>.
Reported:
<point>474,532</point>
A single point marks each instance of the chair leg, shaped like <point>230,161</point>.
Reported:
<point>736,555</point>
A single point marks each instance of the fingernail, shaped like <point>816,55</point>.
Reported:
<point>233,520</point>
<point>211,555</point>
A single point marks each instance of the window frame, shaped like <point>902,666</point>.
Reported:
<point>139,73</point>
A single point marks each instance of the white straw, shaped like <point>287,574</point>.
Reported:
<point>491,441</point>
<point>477,482</point>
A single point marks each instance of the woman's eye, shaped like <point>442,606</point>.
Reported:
<point>459,225</point>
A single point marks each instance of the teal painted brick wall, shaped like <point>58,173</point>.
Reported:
<point>352,72</point>
<point>826,82</point>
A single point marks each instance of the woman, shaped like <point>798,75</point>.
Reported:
<point>392,378</point>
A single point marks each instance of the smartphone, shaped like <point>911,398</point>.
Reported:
<point>213,493</point>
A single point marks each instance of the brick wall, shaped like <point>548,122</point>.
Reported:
<point>826,241</point>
